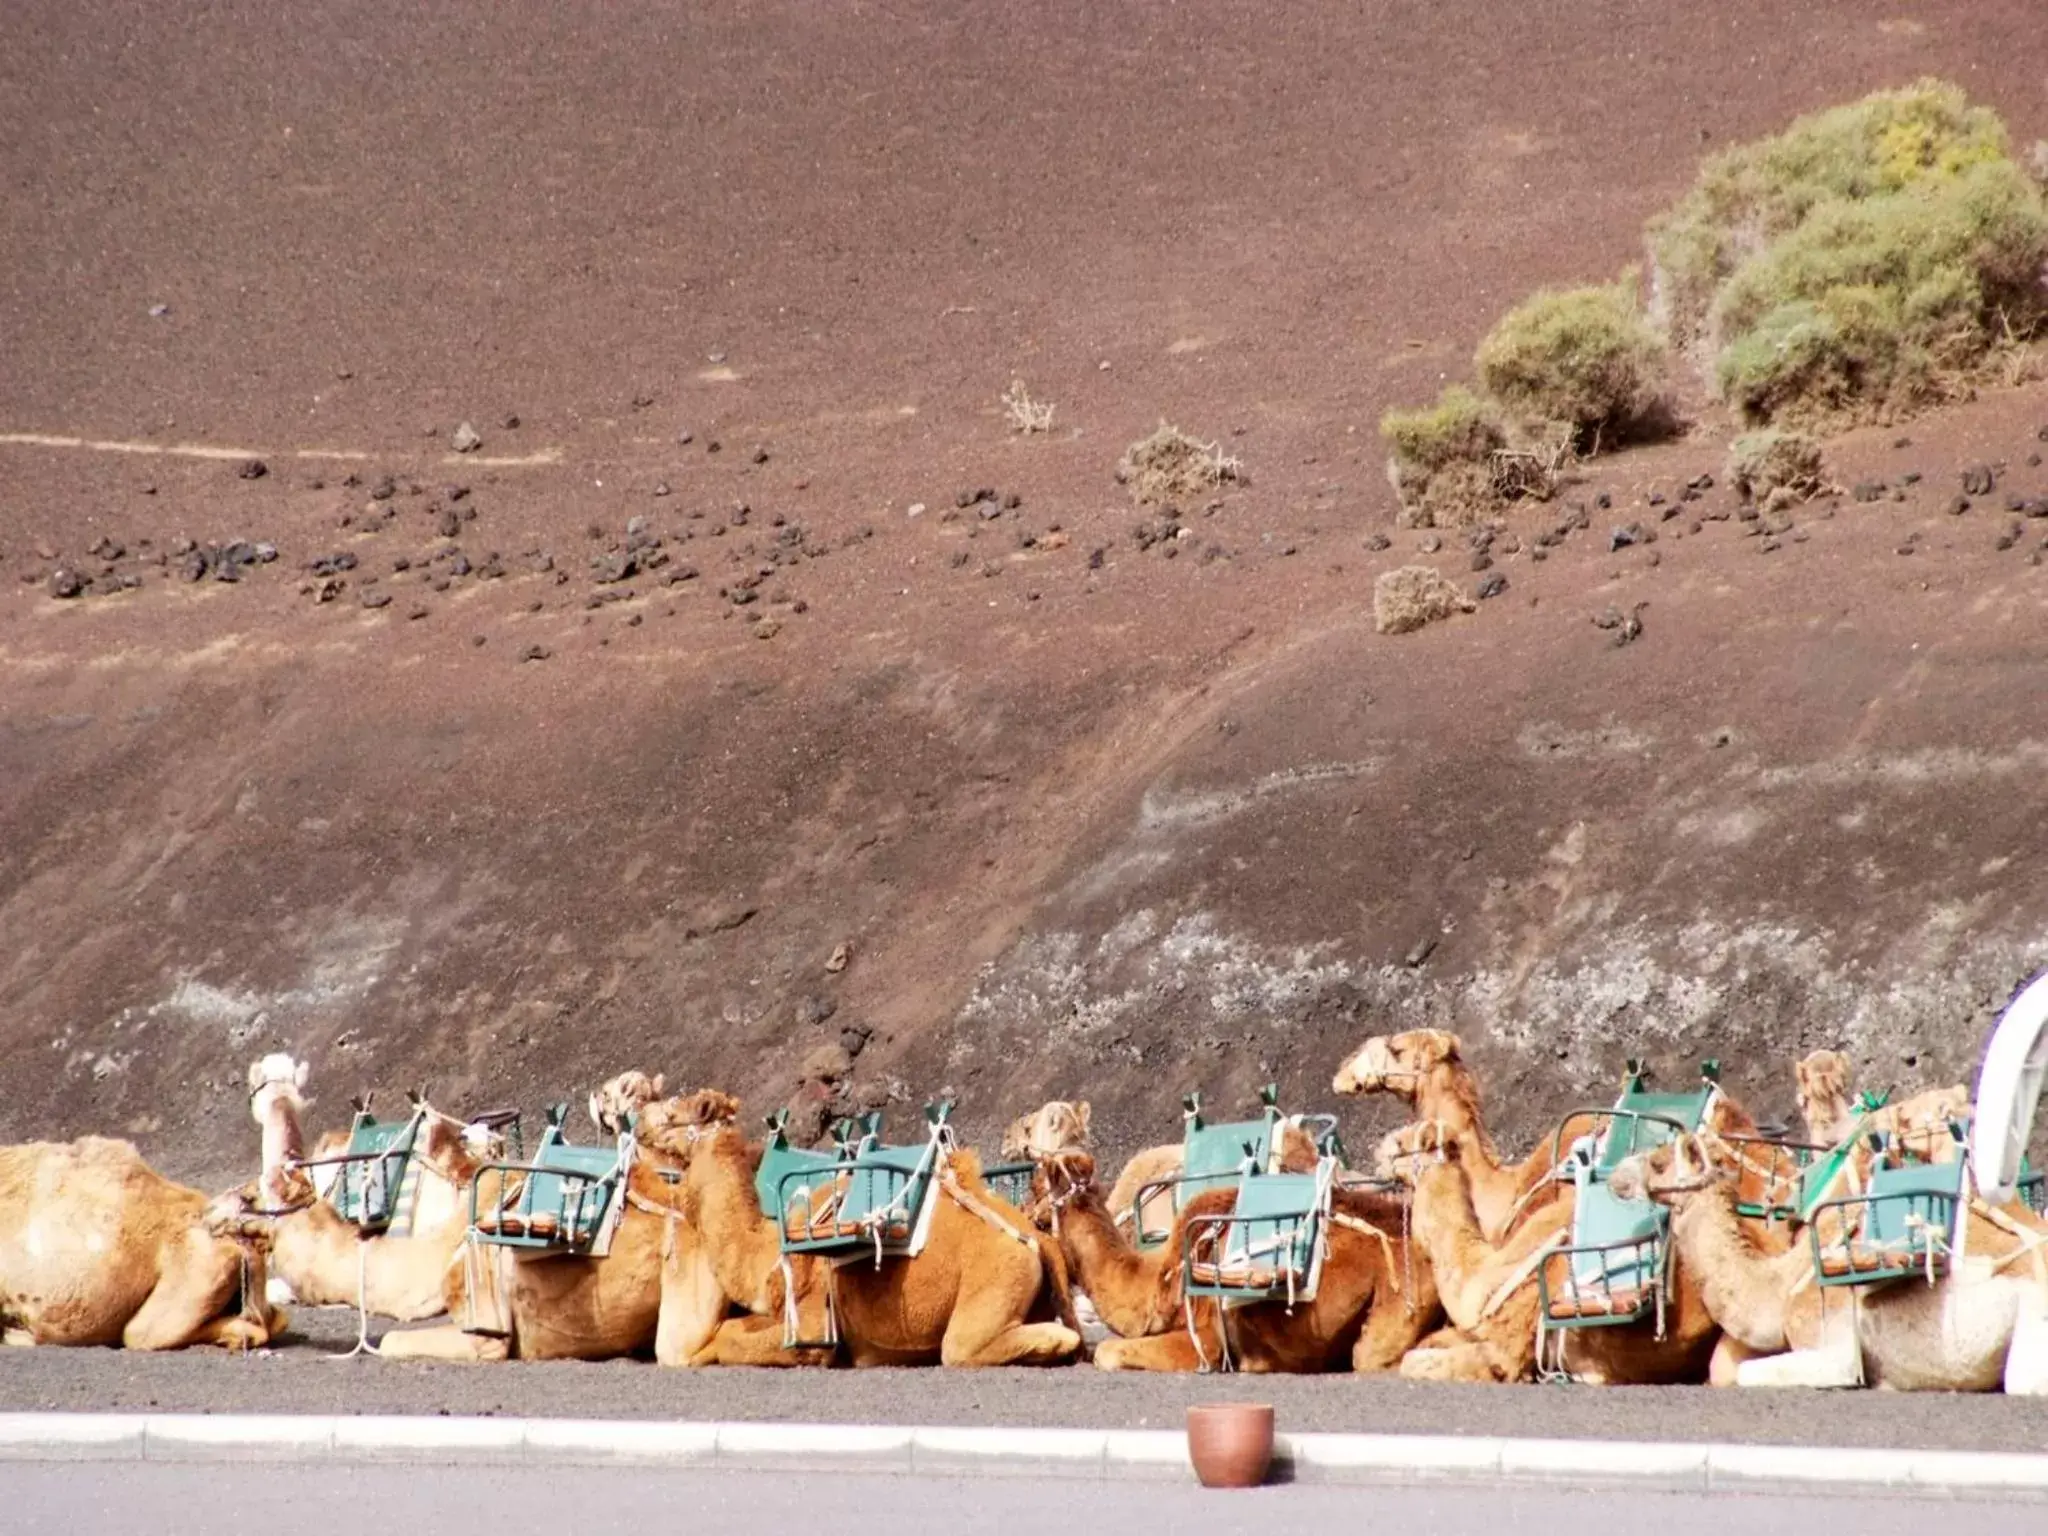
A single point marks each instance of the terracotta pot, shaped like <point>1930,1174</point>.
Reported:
<point>1231,1444</point>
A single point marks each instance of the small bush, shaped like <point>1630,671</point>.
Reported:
<point>1760,464</point>
<point>1172,466</point>
<point>1025,414</point>
<point>1411,596</point>
<point>1867,260</point>
<point>1442,459</point>
<point>1583,357</point>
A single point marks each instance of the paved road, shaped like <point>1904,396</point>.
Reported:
<point>297,1379</point>
<point>51,1500</point>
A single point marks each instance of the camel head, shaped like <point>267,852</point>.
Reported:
<point>1682,1167</point>
<point>1396,1064</point>
<point>1823,1079</point>
<point>675,1126</point>
<point>625,1095</point>
<point>456,1150</point>
<point>1050,1128</point>
<point>1403,1153</point>
<point>276,1077</point>
<point>1062,1174</point>
<point>1921,1125</point>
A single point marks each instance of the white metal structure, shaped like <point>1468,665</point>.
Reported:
<point>2008,1092</point>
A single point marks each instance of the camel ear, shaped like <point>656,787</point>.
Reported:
<point>1434,1048</point>
<point>660,1084</point>
<point>299,1074</point>
<point>596,1119</point>
<point>255,1075</point>
<point>1081,1115</point>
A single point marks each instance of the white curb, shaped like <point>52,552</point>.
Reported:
<point>948,1451</point>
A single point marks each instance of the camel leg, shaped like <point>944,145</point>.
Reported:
<point>1018,1344</point>
<point>1467,1360</point>
<point>186,1306</point>
<point>692,1306</point>
<point>1729,1354</point>
<point>1173,1351</point>
<point>755,1341</point>
<point>17,1338</point>
<point>444,1343</point>
<point>1393,1327</point>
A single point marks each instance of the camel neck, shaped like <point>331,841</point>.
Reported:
<point>283,1141</point>
<point>1119,1279</point>
<point>1745,1291</point>
<point>1448,1094</point>
<point>741,1241</point>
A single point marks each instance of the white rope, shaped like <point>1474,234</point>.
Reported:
<point>362,1346</point>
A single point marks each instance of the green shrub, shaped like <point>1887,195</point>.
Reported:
<point>1442,459</point>
<point>1583,357</point>
<point>1862,262</point>
<point>1460,427</point>
<point>1748,196</point>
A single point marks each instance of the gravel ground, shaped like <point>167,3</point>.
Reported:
<point>296,1379</point>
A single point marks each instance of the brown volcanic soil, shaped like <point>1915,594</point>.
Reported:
<point>1113,826</point>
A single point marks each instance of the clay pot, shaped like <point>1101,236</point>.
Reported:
<point>1231,1444</point>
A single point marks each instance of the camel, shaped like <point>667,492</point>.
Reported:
<point>97,1247</point>
<point>1831,1112</point>
<point>617,1101</point>
<point>319,1254</point>
<point>1491,1293</point>
<point>1063,1124</point>
<point>1981,1325</point>
<point>1375,1300</point>
<point>984,1290</point>
<point>534,1305</point>
<point>1425,1067</point>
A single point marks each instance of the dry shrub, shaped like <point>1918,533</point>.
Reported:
<point>1171,466</point>
<point>1025,414</point>
<point>1761,464</point>
<point>1456,463</point>
<point>1411,596</point>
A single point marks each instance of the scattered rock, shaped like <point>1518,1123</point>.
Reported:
<point>66,583</point>
<point>1430,544</point>
<point>1959,506</point>
<point>466,439</point>
<point>1979,479</point>
<point>535,652</point>
<point>1420,951</point>
<point>1378,542</point>
<point>1869,490</point>
<point>827,1064</point>
<point>841,956</point>
<point>1629,536</point>
<point>376,599</point>
<point>1492,586</point>
<point>252,469</point>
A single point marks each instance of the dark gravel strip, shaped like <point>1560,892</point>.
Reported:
<point>295,1379</point>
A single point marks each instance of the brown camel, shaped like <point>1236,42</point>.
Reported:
<point>1375,1300</point>
<point>1492,1295</point>
<point>534,1305</point>
<point>1831,1113</point>
<point>97,1247</point>
<point>320,1254</point>
<point>1956,1334</point>
<point>984,1290</point>
<point>615,1103</point>
<point>1425,1067</point>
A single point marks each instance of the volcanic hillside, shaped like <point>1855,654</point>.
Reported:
<point>517,564</point>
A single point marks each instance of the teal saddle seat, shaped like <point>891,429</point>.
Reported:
<point>368,1180</point>
<point>864,1195</point>
<point>565,1195</point>
<point>1614,1266</point>
<point>1615,1263</point>
<point>1212,1158</point>
<point>1269,1245</point>
<point>1904,1224</point>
